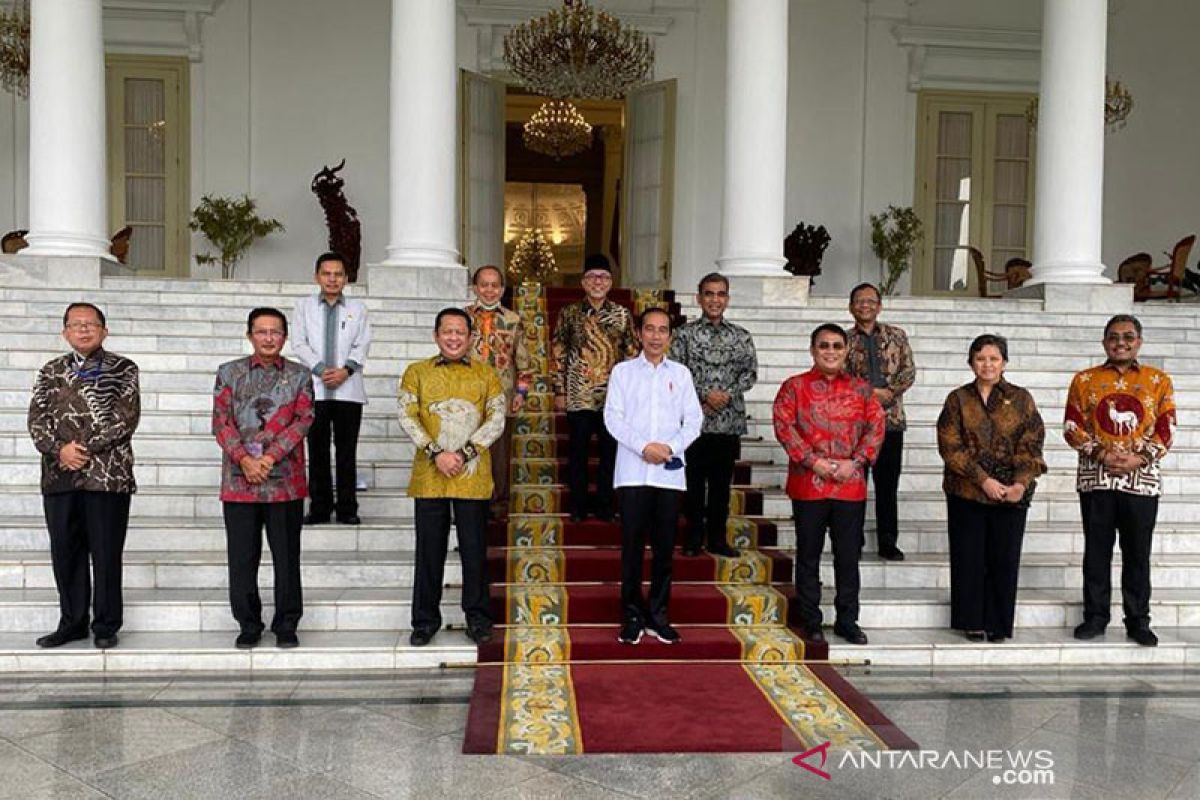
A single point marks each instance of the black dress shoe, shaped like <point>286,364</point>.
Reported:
<point>997,638</point>
<point>1143,636</point>
<point>316,519</point>
<point>690,550</point>
<point>479,634</point>
<point>813,633</point>
<point>287,640</point>
<point>247,640</point>
<point>974,636</point>
<point>723,549</point>
<point>59,638</point>
<point>105,642</point>
<point>1089,630</point>
<point>895,554</point>
<point>420,638</point>
<point>349,519</point>
<point>850,632</point>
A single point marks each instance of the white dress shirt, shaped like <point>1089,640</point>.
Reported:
<point>648,403</point>
<point>353,342</point>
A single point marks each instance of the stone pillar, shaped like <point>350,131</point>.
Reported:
<point>68,181</point>
<point>422,254</point>
<point>1070,144</point>
<point>752,207</point>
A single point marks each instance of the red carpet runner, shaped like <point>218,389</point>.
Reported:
<point>556,681</point>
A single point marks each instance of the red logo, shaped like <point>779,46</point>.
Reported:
<point>1120,415</point>
<point>823,749</point>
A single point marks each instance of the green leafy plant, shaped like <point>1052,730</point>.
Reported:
<point>232,225</point>
<point>894,236</point>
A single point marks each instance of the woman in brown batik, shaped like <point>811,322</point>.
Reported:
<point>990,437</point>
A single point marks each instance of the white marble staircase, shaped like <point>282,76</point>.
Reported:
<point>358,580</point>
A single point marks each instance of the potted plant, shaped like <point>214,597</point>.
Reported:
<point>232,225</point>
<point>894,236</point>
<point>804,248</point>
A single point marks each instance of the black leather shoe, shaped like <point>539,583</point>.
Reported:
<point>59,638</point>
<point>105,642</point>
<point>315,519</point>
<point>479,634</point>
<point>690,550</point>
<point>420,638</point>
<point>974,636</point>
<point>247,640</point>
<point>1143,636</point>
<point>895,554</point>
<point>996,638</point>
<point>850,632</point>
<point>813,633</point>
<point>287,640</point>
<point>1089,630</point>
<point>349,519</point>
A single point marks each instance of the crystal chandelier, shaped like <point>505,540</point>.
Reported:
<point>533,260</point>
<point>14,49</point>
<point>557,129</point>
<point>1118,104</point>
<point>578,51</point>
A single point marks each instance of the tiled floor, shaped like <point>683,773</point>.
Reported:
<point>1098,734</point>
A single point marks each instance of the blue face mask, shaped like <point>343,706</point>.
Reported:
<point>675,463</point>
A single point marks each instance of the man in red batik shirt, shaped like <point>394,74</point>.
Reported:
<point>832,426</point>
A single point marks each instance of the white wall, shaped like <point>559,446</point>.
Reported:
<point>1152,166</point>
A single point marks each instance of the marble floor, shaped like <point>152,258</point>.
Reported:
<point>1094,733</point>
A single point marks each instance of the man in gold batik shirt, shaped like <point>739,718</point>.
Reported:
<point>498,338</point>
<point>452,407</point>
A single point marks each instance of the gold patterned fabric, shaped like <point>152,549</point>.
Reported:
<point>446,407</point>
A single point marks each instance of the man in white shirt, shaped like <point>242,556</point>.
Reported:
<point>331,336</point>
<point>653,413</point>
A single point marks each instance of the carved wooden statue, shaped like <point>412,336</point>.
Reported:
<point>345,231</point>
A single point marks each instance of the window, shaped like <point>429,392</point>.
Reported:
<point>148,133</point>
<point>974,186</point>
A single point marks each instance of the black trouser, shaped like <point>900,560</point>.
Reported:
<point>985,559</point>
<point>654,511</point>
<point>244,523</point>
<point>844,521</point>
<point>885,474</point>
<point>709,467</point>
<point>1105,514</point>
<point>582,425</point>
<point>501,462</point>
<point>83,524</point>
<point>345,418</point>
<point>433,536</point>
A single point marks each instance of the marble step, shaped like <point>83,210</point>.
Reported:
<point>393,569</point>
<point>1047,507</point>
<point>340,651</point>
<point>357,609</point>
<point>147,651</point>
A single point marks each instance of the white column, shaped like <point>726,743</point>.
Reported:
<point>423,210</point>
<point>1070,144</point>
<point>752,209</point>
<point>68,183</point>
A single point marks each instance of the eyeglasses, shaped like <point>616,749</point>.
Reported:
<point>77,325</point>
<point>831,345</point>
<point>1128,338</point>
<point>269,334</point>
<point>597,276</point>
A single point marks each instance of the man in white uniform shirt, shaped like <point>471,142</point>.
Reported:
<point>653,413</point>
<point>331,336</point>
